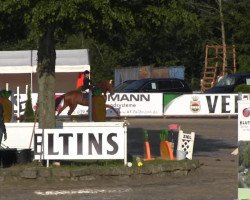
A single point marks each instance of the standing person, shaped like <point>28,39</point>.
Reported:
<point>2,125</point>
<point>86,81</point>
<point>219,77</point>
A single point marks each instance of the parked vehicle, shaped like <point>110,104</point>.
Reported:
<point>228,83</point>
<point>157,85</point>
<point>122,85</point>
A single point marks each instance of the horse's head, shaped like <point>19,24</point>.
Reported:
<point>107,86</point>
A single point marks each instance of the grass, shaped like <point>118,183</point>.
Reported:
<point>97,164</point>
<point>91,163</point>
<point>243,193</point>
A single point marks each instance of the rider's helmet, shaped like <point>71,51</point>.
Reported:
<point>86,72</point>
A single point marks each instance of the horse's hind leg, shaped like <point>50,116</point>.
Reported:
<point>61,109</point>
<point>112,108</point>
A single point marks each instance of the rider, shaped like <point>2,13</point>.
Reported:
<point>2,125</point>
<point>86,82</point>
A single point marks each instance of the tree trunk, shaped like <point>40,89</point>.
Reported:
<point>46,79</point>
<point>223,37</point>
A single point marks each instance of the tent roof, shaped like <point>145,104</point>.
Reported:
<point>12,62</point>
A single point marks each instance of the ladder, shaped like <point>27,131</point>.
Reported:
<point>217,63</point>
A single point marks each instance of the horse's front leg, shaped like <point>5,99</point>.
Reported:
<point>112,108</point>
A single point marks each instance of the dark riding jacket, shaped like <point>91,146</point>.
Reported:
<point>2,125</point>
<point>86,84</point>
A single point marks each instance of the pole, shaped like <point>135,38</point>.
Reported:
<point>31,74</point>
<point>43,127</point>
<point>90,105</point>
<point>125,124</point>
<point>18,103</point>
<point>7,86</point>
<point>26,89</point>
<point>34,126</point>
<point>223,37</point>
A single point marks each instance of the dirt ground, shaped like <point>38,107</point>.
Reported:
<point>216,179</point>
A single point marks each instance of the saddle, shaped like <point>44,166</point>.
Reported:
<point>95,92</point>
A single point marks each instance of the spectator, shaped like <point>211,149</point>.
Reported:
<point>219,77</point>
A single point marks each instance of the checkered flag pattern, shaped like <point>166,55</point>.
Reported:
<point>186,143</point>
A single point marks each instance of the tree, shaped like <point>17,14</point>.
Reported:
<point>167,33</point>
<point>12,26</point>
<point>29,112</point>
<point>239,27</point>
<point>51,21</point>
<point>125,33</point>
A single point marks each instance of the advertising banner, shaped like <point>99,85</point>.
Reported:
<point>243,148</point>
<point>202,104</point>
<point>159,104</point>
<point>129,104</point>
<point>89,142</point>
<point>137,104</point>
<point>244,120</point>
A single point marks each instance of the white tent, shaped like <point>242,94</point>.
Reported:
<point>25,62</point>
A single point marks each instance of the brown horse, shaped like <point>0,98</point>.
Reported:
<point>75,97</point>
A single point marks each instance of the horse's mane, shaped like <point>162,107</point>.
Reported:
<point>105,85</point>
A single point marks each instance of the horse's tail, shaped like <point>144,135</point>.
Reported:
<point>58,101</point>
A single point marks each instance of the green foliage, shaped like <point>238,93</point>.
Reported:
<point>97,91</point>
<point>12,25</point>
<point>5,93</point>
<point>129,33</point>
<point>146,136</point>
<point>29,113</point>
<point>246,155</point>
<point>164,135</point>
<point>244,62</point>
<point>239,27</point>
<point>242,88</point>
<point>247,180</point>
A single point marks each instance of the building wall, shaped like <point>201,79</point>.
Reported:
<point>64,82</point>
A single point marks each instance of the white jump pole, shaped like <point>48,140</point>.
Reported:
<point>26,89</point>
<point>7,86</point>
<point>18,103</point>
<point>31,72</point>
<point>125,141</point>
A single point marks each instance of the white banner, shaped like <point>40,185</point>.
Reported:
<point>89,142</point>
<point>151,104</point>
<point>128,104</point>
<point>203,104</point>
<point>137,104</point>
<point>244,120</point>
